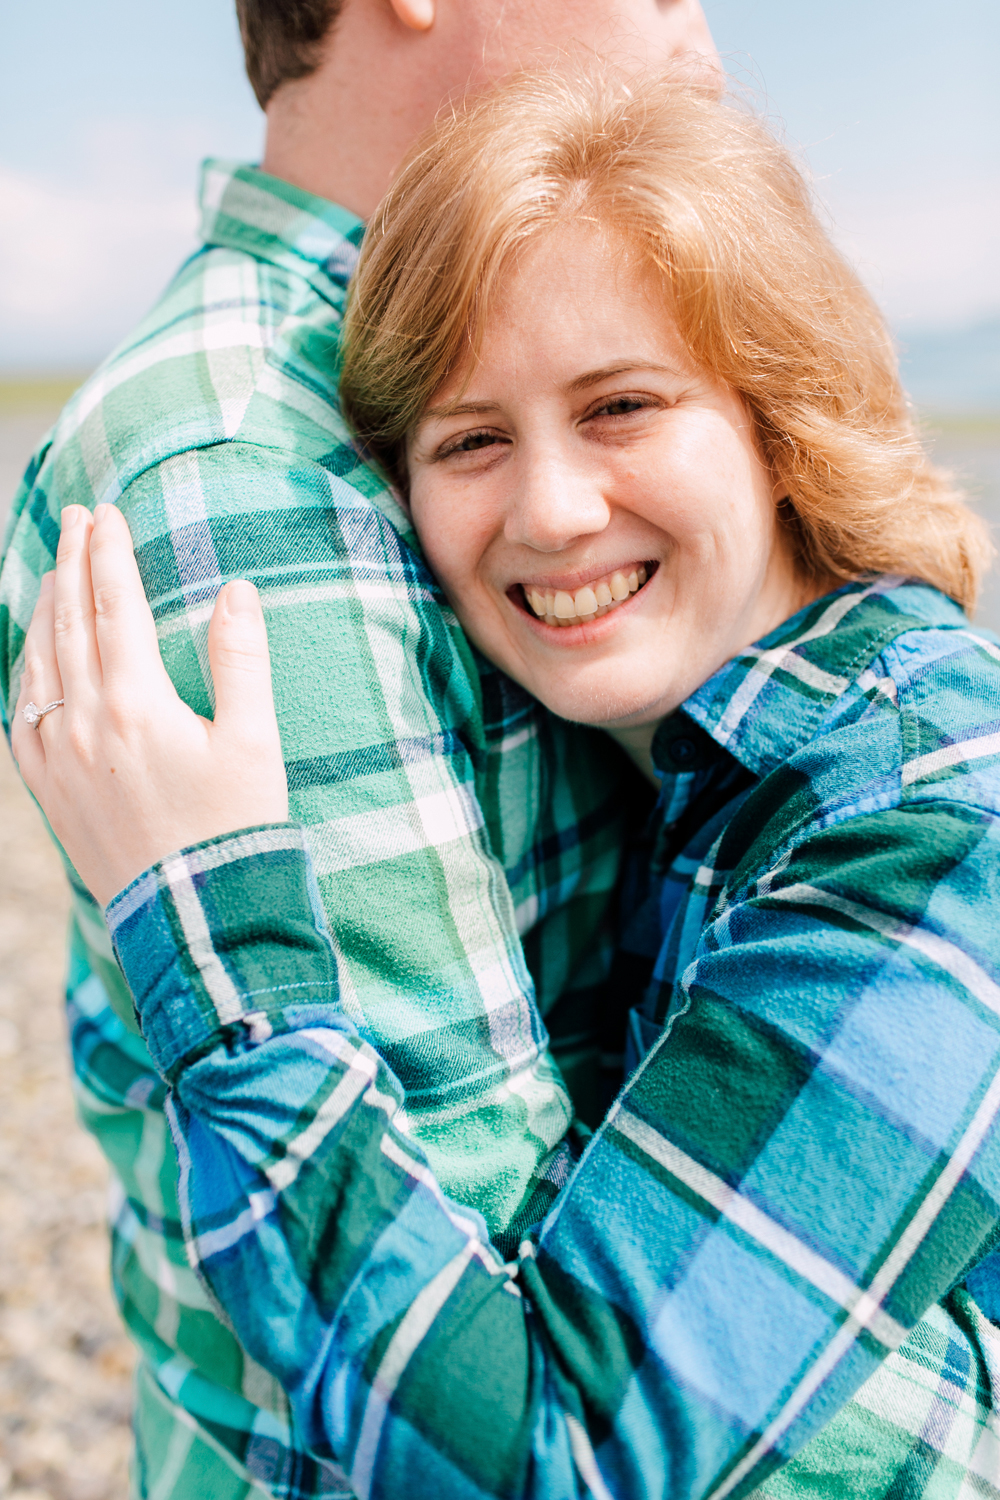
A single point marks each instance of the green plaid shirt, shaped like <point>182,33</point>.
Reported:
<point>448,817</point>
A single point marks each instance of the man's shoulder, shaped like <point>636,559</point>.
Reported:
<point>222,400</point>
<point>236,350</point>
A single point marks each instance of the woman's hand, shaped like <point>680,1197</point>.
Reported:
<point>125,772</point>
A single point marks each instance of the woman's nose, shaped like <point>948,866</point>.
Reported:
<point>553,503</point>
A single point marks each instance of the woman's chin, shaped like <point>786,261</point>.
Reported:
<point>606,705</point>
<point>609,684</point>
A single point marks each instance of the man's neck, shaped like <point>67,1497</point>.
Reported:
<point>342,132</point>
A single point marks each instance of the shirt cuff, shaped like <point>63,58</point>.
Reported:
<point>225,941</point>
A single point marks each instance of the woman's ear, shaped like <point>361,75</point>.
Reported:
<point>416,15</point>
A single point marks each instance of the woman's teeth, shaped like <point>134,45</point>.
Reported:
<point>558,607</point>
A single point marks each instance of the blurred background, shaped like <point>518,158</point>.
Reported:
<point>106,110</point>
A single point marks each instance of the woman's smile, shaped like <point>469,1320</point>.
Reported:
<point>562,603</point>
<point>591,499</point>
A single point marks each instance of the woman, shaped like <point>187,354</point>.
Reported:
<point>650,433</point>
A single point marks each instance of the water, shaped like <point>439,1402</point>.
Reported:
<point>972,453</point>
<point>974,458</point>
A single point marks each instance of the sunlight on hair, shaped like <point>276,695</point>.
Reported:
<point>701,190</point>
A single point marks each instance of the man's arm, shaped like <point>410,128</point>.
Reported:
<point>771,1205</point>
<point>381,727</point>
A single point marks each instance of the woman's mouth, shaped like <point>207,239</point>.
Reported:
<point>561,607</point>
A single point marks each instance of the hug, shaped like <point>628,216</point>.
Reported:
<point>675,679</point>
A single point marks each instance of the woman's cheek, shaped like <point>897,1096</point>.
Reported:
<point>445,544</point>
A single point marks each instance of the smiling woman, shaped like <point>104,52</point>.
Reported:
<point>611,338</point>
<point>615,364</point>
<point>582,448</point>
<point>702,218</point>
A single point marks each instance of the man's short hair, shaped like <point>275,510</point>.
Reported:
<point>283,39</point>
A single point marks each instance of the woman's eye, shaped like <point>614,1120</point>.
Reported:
<point>470,442</point>
<point>620,406</point>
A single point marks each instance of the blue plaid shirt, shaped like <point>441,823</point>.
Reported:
<point>796,1192</point>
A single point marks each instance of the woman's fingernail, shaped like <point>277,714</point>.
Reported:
<point>100,511</point>
<point>72,516</point>
<point>48,583</point>
<point>242,598</point>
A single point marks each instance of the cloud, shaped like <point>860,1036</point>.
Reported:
<point>928,251</point>
<point>83,258</point>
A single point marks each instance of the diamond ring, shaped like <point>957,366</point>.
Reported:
<point>34,715</point>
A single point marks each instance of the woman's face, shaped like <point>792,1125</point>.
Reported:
<point>583,453</point>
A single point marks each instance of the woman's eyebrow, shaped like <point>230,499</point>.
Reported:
<point>460,409</point>
<point>624,367</point>
<point>582,382</point>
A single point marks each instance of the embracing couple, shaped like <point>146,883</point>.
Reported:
<point>551,1048</point>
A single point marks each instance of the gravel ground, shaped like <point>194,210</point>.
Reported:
<point>64,1361</point>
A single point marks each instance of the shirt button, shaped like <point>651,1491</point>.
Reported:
<point>682,751</point>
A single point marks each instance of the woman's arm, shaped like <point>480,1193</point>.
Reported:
<point>391,745</point>
<point>754,1226</point>
<point>765,1214</point>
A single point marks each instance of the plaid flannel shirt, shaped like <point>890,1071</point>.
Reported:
<point>793,1201</point>
<point>445,813</point>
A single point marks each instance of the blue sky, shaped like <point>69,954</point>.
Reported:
<point>106,109</point>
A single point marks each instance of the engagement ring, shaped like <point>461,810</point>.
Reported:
<point>34,715</point>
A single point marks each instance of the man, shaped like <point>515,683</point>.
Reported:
<point>446,813</point>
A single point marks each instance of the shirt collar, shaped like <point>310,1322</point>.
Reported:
<point>243,208</point>
<point>766,703</point>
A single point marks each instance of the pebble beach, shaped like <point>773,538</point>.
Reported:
<point>64,1362</point>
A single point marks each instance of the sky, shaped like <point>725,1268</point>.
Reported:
<point>106,109</point>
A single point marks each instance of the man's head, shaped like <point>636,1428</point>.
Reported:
<point>284,39</point>
<point>348,85</point>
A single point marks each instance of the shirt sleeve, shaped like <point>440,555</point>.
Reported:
<point>805,1162</point>
<point>382,728</point>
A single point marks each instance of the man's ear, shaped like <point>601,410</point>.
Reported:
<point>417,15</point>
